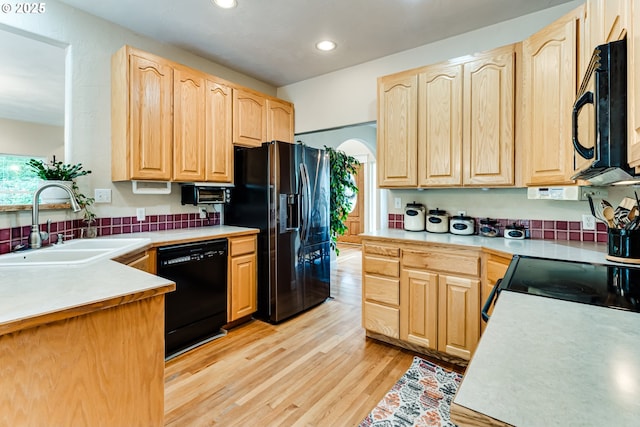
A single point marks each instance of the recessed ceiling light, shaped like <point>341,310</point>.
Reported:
<point>326,45</point>
<point>225,4</point>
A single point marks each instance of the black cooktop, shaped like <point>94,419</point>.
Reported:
<point>612,286</point>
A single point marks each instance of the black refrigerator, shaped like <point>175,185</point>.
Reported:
<point>283,189</point>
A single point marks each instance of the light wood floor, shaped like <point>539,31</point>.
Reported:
<point>317,369</point>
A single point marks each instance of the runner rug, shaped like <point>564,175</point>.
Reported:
<point>422,397</point>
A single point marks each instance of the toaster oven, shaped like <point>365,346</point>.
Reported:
<point>193,194</point>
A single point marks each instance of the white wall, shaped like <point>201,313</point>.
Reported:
<point>349,96</point>
<point>31,139</point>
<point>91,43</point>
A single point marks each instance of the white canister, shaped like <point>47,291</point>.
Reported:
<point>515,231</point>
<point>463,225</point>
<point>414,217</point>
<point>437,221</point>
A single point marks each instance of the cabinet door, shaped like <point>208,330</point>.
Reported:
<point>188,125</point>
<point>440,126</point>
<point>243,286</point>
<point>633,79</point>
<point>549,90</point>
<point>279,121</point>
<point>488,130</point>
<point>249,118</point>
<point>397,130</point>
<point>458,315</point>
<point>150,118</point>
<point>218,132</point>
<point>419,308</point>
<point>495,268</point>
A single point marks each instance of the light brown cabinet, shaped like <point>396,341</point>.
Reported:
<point>249,118</point>
<point>427,297</point>
<point>489,119</point>
<point>218,131</point>
<point>141,116</point>
<point>174,123</point>
<point>449,124</point>
<point>188,125</point>
<point>494,267</point>
<point>550,75</point>
<point>440,125</point>
<point>381,289</point>
<point>397,130</point>
<point>279,121</point>
<point>242,298</point>
<point>144,260</point>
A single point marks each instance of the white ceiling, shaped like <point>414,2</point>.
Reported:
<point>273,40</point>
<point>270,40</point>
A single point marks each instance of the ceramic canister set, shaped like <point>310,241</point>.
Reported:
<point>418,218</point>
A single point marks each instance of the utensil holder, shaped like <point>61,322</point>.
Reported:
<point>623,245</point>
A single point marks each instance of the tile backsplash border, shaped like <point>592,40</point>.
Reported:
<point>538,229</point>
<point>74,229</point>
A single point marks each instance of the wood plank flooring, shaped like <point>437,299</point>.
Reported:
<point>317,369</point>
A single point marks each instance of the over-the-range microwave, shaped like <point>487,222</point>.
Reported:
<point>603,96</point>
<point>195,194</point>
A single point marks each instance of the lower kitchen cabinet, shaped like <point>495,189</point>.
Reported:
<point>427,297</point>
<point>242,298</point>
<point>381,289</point>
<point>495,266</point>
<point>144,260</point>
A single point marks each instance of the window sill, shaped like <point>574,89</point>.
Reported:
<point>12,208</point>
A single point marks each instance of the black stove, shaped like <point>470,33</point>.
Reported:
<point>613,286</point>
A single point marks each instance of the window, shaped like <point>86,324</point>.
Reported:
<point>17,181</point>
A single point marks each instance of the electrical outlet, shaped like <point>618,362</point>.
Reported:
<point>397,203</point>
<point>588,222</point>
<point>140,214</point>
<point>102,195</point>
<point>203,212</point>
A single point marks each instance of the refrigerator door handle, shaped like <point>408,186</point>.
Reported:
<point>306,201</point>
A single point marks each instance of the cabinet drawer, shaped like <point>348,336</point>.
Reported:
<point>242,245</point>
<point>442,261</point>
<point>383,266</point>
<point>389,251</point>
<point>382,289</point>
<point>382,319</point>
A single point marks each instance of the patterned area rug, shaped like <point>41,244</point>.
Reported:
<point>422,397</point>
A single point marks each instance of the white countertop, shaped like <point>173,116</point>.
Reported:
<point>543,362</point>
<point>27,292</point>
<point>569,250</point>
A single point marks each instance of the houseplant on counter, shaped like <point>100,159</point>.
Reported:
<point>343,188</point>
<point>65,174</point>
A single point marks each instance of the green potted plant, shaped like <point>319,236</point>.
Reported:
<point>343,188</point>
<point>65,174</point>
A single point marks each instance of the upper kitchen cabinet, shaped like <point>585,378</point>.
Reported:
<point>141,116</point>
<point>440,125</point>
<point>397,130</point>
<point>454,120</point>
<point>218,131</point>
<point>279,121</point>
<point>550,75</point>
<point>249,118</point>
<point>188,125</point>
<point>489,118</point>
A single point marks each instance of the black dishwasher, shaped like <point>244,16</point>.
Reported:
<point>197,309</point>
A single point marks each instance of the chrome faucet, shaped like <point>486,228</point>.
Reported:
<point>35,237</point>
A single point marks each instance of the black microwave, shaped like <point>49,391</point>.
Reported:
<point>604,91</point>
<point>193,194</point>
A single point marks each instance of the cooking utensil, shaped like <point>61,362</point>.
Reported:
<point>598,214</point>
<point>610,215</point>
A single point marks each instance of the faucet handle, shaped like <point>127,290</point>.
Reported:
<point>61,238</point>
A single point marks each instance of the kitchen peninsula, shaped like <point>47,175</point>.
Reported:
<point>84,344</point>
